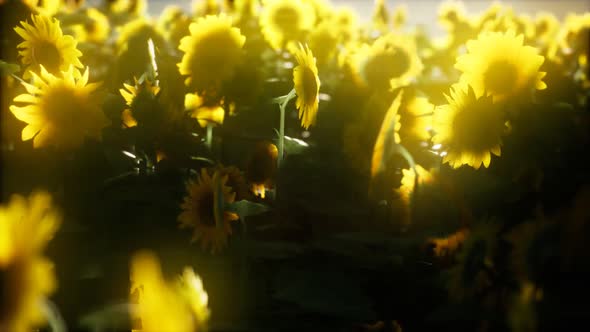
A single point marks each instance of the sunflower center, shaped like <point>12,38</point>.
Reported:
<point>46,53</point>
<point>500,77</point>
<point>476,127</point>
<point>206,211</point>
<point>310,86</point>
<point>63,107</point>
<point>90,26</point>
<point>286,19</point>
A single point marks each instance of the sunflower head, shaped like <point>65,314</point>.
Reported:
<point>203,8</point>
<point>390,62</point>
<point>165,306</point>
<point>135,8</point>
<point>546,28</point>
<point>235,180</point>
<point>26,226</point>
<point>173,24</point>
<point>45,45</point>
<point>399,16</point>
<point>203,210</point>
<point>212,52</point>
<point>44,7</point>
<point>205,112</point>
<point>307,85</point>
<point>95,28</point>
<point>323,42</point>
<point>60,110</point>
<point>284,21</point>
<point>132,94</point>
<point>500,65</point>
<point>380,16</point>
<point>262,168</point>
<point>470,127</point>
<point>345,24</point>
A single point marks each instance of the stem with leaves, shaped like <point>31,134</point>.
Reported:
<point>283,101</point>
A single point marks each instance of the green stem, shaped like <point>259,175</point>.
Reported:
<point>209,137</point>
<point>283,107</point>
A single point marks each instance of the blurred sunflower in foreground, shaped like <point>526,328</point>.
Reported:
<point>499,64</point>
<point>202,210</point>
<point>469,128</point>
<point>212,52</point>
<point>163,306</point>
<point>284,21</point>
<point>60,110</point>
<point>45,45</point>
<point>27,277</point>
<point>307,86</point>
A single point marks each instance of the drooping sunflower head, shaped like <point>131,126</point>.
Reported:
<point>390,62</point>
<point>262,168</point>
<point>95,28</point>
<point>130,94</point>
<point>45,44</point>
<point>202,210</point>
<point>469,128</point>
<point>284,21</point>
<point>499,64</point>
<point>307,86</point>
<point>26,226</point>
<point>60,110</point>
<point>212,52</point>
<point>179,306</point>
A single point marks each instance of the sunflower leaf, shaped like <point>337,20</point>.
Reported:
<point>246,208</point>
<point>8,68</point>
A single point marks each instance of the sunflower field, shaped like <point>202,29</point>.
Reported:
<point>283,165</point>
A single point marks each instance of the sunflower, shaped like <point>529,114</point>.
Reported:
<point>203,8</point>
<point>546,29</point>
<point>205,113</point>
<point>45,44</point>
<point>307,86</point>
<point>469,127</point>
<point>135,8</point>
<point>390,62</point>
<point>162,305</point>
<point>345,23</point>
<point>323,42</point>
<point>129,93</point>
<point>399,16</point>
<point>284,21</point>
<point>380,16</point>
<point>415,119</point>
<point>235,180</point>
<point>211,52</point>
<point>173,24</point>
<point>44,7</point>
<point>60,111</point>
<point>135,34</point>
<point>201,210</point>
<point>95,28</point>
<point>499,64</point>
<point>262,168</point>
<point>409,181</point>
<point>26,226</point>
<point>446,247</point>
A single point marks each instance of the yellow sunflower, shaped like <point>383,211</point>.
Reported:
<point>380,16</point>
<point>212,52</point>
<point>390,62</point>
<point>201,210</point>
<point>60,110</point>
<point>262,168</point>
<point>409,181</point>
<point>307,86</point>
<point>95,29</point>
<point>26,226</point>
<point>399,17</point>
<point>284,21</point>
<point>546,28</point>
<point>45,44</point>
<point>205,7</point>
<point>469,127</point>
<point>173,24</point>
<point>179,306</point>
<point>44,7</point>
<point>345,23</point>
<point>499,64</point>
<point>129,93</point>
<point>323,42</point>
<point>205,113</point>
<point>136,33</point>
<point>132,7</point>
<point>415,119</point>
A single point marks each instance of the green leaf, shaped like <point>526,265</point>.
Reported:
<point>246,208</point>
<point>8,68</point>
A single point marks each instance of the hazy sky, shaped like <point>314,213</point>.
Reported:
<point>424,11</point>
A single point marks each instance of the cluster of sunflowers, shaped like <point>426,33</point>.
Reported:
<point>466,147</point>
